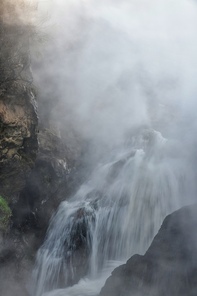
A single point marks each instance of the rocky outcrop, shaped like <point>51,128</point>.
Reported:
<point>18,151</point>
<point>18,110</point>
<point>49,181</point>
<point>78,246</point>
<point>18,141</point>
<point>16,263</point>
<point>169,267</point>
<point>35,167</point>
<point>47,185</point>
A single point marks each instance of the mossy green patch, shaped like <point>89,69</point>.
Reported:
<point>5,214</point>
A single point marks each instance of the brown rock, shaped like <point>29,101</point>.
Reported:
<point>18,141</point>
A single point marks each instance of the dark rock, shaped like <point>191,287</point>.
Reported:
<point>35,168</point>
<point>18,107</point>
<point>46,186</point>
<point>18,141</point>
<point>16,263</point>
<point>79,246</point>
<point>18,137</point>
<point>169,267</point>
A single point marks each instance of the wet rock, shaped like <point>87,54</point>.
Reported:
<point>167,268</point>
<point>78,247</point>
<point>47,184</point>
<point>15,264</point>
<point>18,107</point>
<point>18,141</point>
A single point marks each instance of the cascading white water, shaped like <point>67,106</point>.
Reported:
<point>112,216</point>
<point>120,64</point>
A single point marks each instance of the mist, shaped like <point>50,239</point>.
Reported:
<point>117,65</point>
<point>121,76</point>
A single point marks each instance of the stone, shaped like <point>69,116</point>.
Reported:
<point>169,267</point>
<point>47,184</point>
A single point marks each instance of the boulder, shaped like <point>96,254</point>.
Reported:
<point>169,267</point>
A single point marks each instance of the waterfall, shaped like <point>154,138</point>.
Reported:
<point>115,214</point>
<point>119,65</point>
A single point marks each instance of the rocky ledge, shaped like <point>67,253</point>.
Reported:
<point>168,268</point>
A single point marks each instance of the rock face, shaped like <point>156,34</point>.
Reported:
<point>47,184</point>
<point>18,141</point>
<point>78,247</point>
<point>16,263</point>
<point>18,110</point>
<point>169,267</point>
<point>35,167</point>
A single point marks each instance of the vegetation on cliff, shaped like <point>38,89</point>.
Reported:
<point>5,214</point>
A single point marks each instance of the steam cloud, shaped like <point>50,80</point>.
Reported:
<point>109,66</point>
<point>119,64</point>
<point>112,67</point>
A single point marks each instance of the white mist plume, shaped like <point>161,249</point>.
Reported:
<point>124,73</point>
<point>120,64</point>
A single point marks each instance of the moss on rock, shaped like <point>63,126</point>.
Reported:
<point>5,214</point>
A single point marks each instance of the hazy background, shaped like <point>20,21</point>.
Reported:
<point>108,67</point>
<point>111,70</point>
<point>116,62</point>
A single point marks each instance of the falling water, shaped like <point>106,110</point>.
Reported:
<point>112,216</point>
<point>119,65</point>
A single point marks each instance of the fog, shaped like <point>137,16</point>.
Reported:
<point>121,76</point>
<point>115,65</point>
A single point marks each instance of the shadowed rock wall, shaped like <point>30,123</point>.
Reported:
<point>169,267</point>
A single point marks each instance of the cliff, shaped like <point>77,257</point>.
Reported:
<point>36,165</point>
<point>18,110</point>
